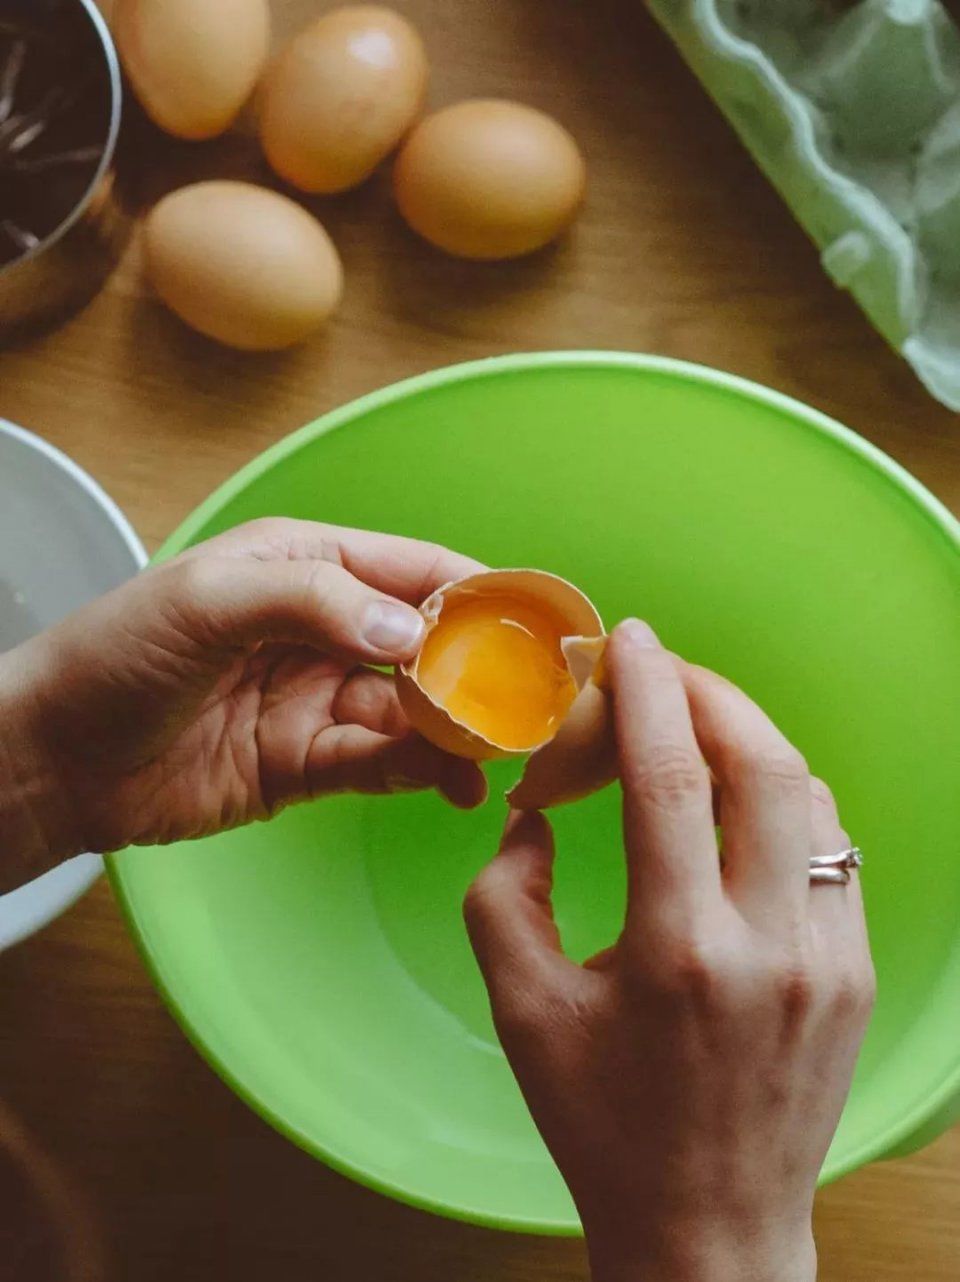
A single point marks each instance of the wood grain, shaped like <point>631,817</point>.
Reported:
<point>151,1168</point>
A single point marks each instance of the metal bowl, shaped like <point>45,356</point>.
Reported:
<point>62,543</point>
<point>62,226</point>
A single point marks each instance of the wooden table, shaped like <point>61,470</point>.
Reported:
<point>157,1170</point>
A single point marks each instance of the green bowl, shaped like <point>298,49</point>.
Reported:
<point>319,961</point>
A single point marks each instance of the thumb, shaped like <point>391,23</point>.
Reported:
<point>508,912</point>
<point>238,602</point>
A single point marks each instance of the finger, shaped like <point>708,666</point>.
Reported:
<point>368,698</point>
<point>837,918</point>
<point>351,758</point>
<point>224,602</point>
<point>836,911</point>
<point>673,868</point>
<point>306,698</point>
<point>408,569</point>
<point>509,914</point>
<point>765,807</point>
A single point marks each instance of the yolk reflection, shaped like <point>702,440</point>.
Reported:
<point>496,665</point>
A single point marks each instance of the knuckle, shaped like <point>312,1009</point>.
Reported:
<point>846,996</point>
<point>436,554</point>
<point>324,593</point>
<point>697,976</point>
<point>690,973</point>
<point>319,579</point>
<point>795,991</point>
<point>189,578</point>
<point>782,770</point>
<point>822,795</point>
<point>669,776</point>
<point>787,770</point>
<point>261,528</point>
<point>855,991</point>
<point>659,666</point>
<point>435,557</point>
<point>276,538</point>
<point>192,587</point>
<point>329,547</point>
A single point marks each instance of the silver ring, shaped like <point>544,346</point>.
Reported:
<point>835,870</point>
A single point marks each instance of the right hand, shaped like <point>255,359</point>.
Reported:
<point>688,1080</point>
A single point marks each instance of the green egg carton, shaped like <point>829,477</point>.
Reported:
<point>853,112</point>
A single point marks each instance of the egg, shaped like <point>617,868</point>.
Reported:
<point>507,669</point>
<point>340,97</point>
<point>192,63</point>
<point>489,179</point>
<point>241,264</point>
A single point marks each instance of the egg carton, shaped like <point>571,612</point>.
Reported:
<point>853,112</point>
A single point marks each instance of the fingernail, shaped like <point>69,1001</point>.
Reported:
<point>395,629</point>
<point>641,634</point>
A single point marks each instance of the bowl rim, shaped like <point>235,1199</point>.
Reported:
<point>84,870</point>
<point>832,432</point>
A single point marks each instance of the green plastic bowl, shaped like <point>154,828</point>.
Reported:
<point>319,961</point>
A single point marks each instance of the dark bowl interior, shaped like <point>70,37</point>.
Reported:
<point>57,100</point>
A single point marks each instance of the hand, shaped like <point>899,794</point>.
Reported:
<point>217,688</point>
<point>688,1081</point>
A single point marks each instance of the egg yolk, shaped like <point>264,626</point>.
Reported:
<point>496,665</point>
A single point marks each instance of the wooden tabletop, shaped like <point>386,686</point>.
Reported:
<point>154,1169</point>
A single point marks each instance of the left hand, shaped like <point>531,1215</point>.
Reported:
<point>217,688</point>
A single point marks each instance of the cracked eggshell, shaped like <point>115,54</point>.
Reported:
<point>581,758</point>
<point>578,613</point>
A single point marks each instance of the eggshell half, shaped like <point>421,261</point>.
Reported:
<point>432,720</point>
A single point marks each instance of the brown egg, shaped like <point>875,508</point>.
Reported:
<point>241,264</point>
<point>509,667</point>
<point>192,63</point>
<point>489,179</point>
<point>340,97</point>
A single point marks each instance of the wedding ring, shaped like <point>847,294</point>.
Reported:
<point>835,869</point>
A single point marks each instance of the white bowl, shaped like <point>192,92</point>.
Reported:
<point>62,543</point>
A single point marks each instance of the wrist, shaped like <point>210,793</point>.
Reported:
<point>35,828</point>
<point>691,1253</point>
